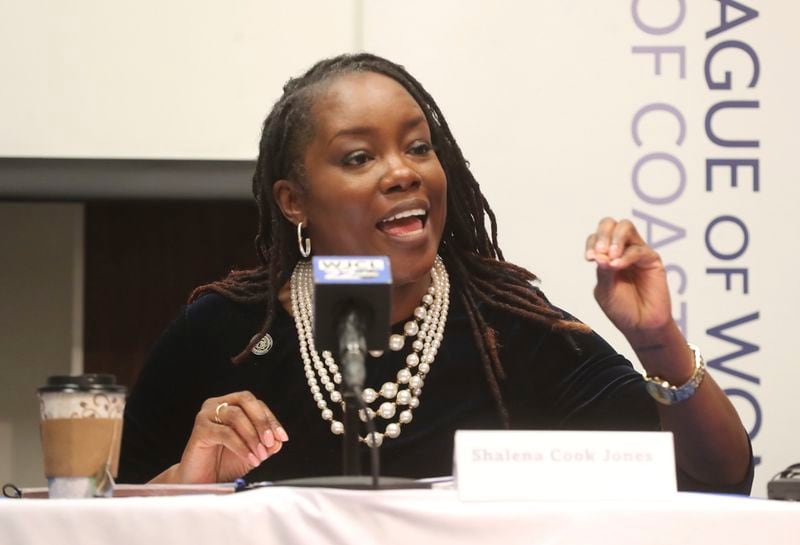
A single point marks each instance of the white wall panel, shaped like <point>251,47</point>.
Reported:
<point>182,79</point>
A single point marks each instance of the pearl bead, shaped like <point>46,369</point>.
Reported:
<point>412,359</point>
<point>315,389</point>
<point>376,353</point>
<point>392,430</point>
<point>389,390</point>
<point>417,345</point>
<point>403,376</point>
<point>374,440</point>
<point>336,397</point>
<point>327,414</point>
<point>411,328</point>
<point>337,427</point>
<point>364,416</point>
<point>414,382</point>
<point>326,354</point>
<point>420,313</point>
<point>414,402</point>
<point>396,342</point>
<point>424,368</point>
<point>369,395</point>
<point>317,396</point>
<point>403,397</point>
<point>386,410</point>
<point>330,387</point>
<point>321,404</point>
<point>405,417</point>
<point>427,299</point>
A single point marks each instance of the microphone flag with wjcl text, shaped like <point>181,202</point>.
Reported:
<point>346,283</point>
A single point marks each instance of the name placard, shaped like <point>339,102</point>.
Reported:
<point>563,465</point>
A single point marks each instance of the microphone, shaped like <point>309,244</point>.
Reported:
<point>352,309</point>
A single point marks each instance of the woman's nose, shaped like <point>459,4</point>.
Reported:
<point>399,176</point>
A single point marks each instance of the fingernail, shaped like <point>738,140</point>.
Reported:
<point>613,248</point>
<point>262,452</point>
<point>269,439</point>
<point>253,460</point>
<point>614,262</point>
<point>589,254</point>
<point>600,245</point>
<point>282,435</point>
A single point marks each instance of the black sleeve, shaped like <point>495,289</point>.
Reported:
<point>605,392</point>
<point>160,410</point>
<point>581,383</point>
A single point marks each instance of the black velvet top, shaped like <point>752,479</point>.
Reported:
<point>552,382</point>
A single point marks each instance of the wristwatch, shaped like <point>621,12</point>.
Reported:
<point>667,394</point>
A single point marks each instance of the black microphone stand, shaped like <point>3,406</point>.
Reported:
<point>352,356</point>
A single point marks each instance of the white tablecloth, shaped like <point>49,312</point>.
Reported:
<point>407,517</point>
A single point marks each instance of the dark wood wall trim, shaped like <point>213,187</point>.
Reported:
<point>60,179</point>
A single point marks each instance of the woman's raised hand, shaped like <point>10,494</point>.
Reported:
<point>232,434</point>
<point>631,281</point>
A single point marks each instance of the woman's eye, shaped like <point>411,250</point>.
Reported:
<point>355,159</point>
<point>420,148</point>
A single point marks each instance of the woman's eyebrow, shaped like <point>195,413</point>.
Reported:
<point>362,130</point>
<point>353,131</point>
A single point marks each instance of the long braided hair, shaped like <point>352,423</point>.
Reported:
<point>470,252</point>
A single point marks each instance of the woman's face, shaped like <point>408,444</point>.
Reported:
<point>372,183</point>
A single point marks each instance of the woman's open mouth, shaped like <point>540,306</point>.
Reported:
<point>404,223</point>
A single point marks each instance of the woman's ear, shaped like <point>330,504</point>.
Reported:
<point>290,199</point>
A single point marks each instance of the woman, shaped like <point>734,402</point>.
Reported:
<point>356,159</point>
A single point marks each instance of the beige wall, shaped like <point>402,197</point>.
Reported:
<point>40,320</point>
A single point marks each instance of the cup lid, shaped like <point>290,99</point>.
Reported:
<point>92,382</point>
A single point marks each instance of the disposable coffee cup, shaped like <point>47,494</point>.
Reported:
<point>81,428</point>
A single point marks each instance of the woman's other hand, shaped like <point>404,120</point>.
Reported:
<point>631,281</point>
<point>232,435</point>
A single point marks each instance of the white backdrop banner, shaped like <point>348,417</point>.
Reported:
<point>675,114</point>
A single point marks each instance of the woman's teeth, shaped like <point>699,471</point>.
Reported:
<point>403,223</point>
<point>406,214</point>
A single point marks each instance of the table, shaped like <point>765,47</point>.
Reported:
<point>316,516</point>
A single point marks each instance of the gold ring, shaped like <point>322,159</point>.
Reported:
<point>216,412</point>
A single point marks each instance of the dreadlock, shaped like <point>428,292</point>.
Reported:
<point>470,253</point>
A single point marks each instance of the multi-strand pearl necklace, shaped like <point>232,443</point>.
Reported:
<point>323,374</point>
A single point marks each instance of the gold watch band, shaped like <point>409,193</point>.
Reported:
<point>668,394</point>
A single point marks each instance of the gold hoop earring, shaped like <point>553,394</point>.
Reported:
<point>304,244</point>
